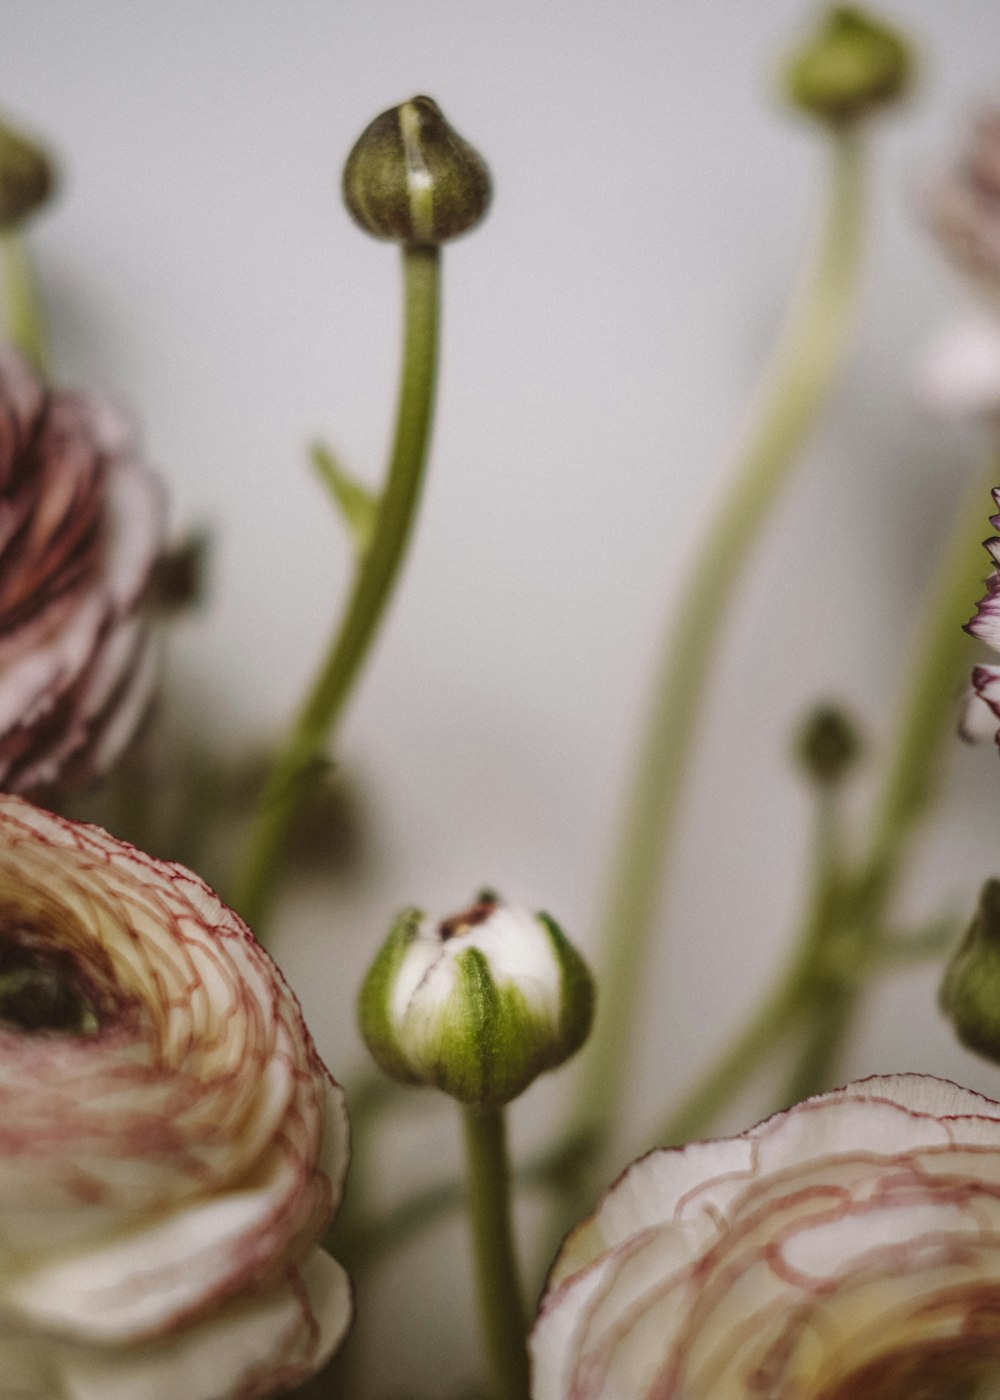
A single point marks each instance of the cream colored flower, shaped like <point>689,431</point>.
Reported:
<point>848,1249</point>
<point>171,1146</point>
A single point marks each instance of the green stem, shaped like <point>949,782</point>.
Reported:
<point>805,365</point>
<point>927,721</point>
<point>373,585</point>
<point>781,1013</point>
<point>500,1302</point>
<point>25,327</point>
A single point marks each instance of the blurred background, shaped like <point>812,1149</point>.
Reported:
<point>603,329</point>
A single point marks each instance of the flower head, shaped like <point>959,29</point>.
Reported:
<point>848,1248</point>
<point>478,1005</point>
<point>960,372</point>
<point>411,178</point>
<point>171,1146</point>
<point>81,523</point>
<point>981,710</point>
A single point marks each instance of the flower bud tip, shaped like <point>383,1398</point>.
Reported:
<point>828,745</point>
<point>852,65</point>
<point>411,178</point>
<point>27,177</point>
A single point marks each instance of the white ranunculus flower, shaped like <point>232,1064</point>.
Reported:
<point>848,1249</point>
<point>171,1145</point>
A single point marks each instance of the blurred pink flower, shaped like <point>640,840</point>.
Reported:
<point>849,1247</point>
<point>81,524</point>
<point>171,1145</point>
<point>959,374</point>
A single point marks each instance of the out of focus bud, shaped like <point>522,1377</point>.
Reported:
<point>853,65</point>
<point>410,177</point>
<point>27,178</point>
<point>478,1005</point>
<point>970,992</point>
<point>828,744</point>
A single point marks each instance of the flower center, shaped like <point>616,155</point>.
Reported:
<point>40,990</point>
<point>958,1368</point>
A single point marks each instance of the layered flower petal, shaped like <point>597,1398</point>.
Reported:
<point>849,1247</point>
<point>81,526</point>
<point>170,1151</point>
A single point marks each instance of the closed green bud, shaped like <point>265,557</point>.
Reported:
<point>411,177</point>
<point>828,744</point>
<point>853,65</point>
<point>27,177</point>
<point>477,1006</point>
<point>970,992</point>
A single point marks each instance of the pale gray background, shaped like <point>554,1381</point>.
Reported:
<point>602,333</point>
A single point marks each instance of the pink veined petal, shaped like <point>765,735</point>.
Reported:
<point>245,1350</point>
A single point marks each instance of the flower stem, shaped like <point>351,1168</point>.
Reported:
<point>377,571</point>
<point>25,327</point>
<point>500,1303</point>
<point>780,1015</point>
<point>927,719</point>
<point>806,361</point>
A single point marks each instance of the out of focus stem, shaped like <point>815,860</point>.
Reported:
<point>25,324</point>
<point>377,571</point>
<point>926,722</point>
<point>797,386</point>
<point>498,1286</point>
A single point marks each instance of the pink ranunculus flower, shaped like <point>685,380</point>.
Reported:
<point>81,526</point>
<point>171,1145</point>
<point>847,1249</point>
<point>981,709</point>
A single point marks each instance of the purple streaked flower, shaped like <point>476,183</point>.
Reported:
<point>847,1248</point>
<point>172,1147</point>
<point>81,526</point>
<point>981,709</point>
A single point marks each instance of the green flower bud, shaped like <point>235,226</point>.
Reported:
<point>27,177</point>
<point>410,177</point>
<point>828,744</point>
<point>970,991</point>
<point>477,1006</point>
<point>851,66</point>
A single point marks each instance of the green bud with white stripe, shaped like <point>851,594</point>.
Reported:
<point>411,178</point>
<point>477,1005</point>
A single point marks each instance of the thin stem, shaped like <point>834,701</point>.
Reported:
<point>500,1303</point>
<point>781,1013</point>
<point>25,325</point>
<point>373,586</point>
<point>805,365</point>
<point>927,720</point>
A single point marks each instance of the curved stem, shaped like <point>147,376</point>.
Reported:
<point>373,585</point>
<point>927,719</point>
<point>500,1302</point>
<point>805,365</point>
<point>25,327</point>
<point>781,1013</point>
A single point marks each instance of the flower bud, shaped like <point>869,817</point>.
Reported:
<point>27,177</point>
<point>851,66</point>
<point>477,1006</point>
<point>828,745</point>
<point>410,177</point>
<point>970,991</point>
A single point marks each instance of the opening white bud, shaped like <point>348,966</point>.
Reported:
<point>478,1004</point>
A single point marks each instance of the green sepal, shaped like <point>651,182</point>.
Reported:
<point>970,990</point>
<point>375,1000</point>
